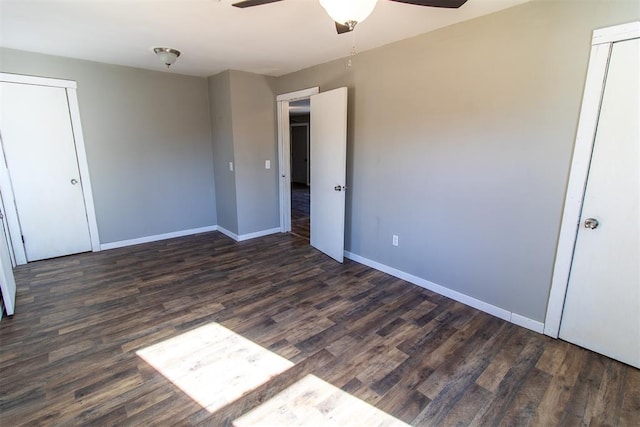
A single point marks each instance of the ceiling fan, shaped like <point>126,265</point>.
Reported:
<point>347,14</point>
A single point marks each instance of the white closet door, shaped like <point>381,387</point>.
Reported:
<point>40,152</point>
<point>602,306</point>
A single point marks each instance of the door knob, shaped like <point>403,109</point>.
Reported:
<point>74,181</point>
<point>591,223</point>
<point>338,188</point>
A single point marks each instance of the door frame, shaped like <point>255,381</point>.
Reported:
<point>601,45</point>
<point>11,212</point>
<point>284,151</point>
<point>5,226</point>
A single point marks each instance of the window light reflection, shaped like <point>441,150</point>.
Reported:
<point>314,402</point>
<point>214,365</point>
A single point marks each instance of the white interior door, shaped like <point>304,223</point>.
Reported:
<point>328,171</point>
<point>40,152</point>
<point>7,281</point>
<point>602,305</point>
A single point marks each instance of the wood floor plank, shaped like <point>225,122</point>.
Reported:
<point>524,406</point>
<point>511,386</point>
<point>493,375</point>
<point>563,379</point>
<point>446,386</point>
<point>465,409</point>
<point>606,410</point>
<point>630,411</point>
<point>71,355</point>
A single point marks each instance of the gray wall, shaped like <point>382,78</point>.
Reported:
<point>148,142</point>
<point>243,118</point>
<point>460,143</point>
<point>223,150</point>
<point>254,135</point>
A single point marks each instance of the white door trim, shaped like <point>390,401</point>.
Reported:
<point>284,151</point>
<point>5,226</point>
<point>11,212</point>
<point>299,94</point>
<point>284,156</point>
<point>617,33</point>
<point>38,81</point>
<point>591,102</point>
<point>83,166</point>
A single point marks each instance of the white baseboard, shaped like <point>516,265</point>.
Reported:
<point>501,313</point>
<point>449,293</point>
<point>248,236</point>
<point>525,322</point>
<point>258,234</point>
<point>228,233</point>
<point>157,237</point>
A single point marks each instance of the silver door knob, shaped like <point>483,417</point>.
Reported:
<point>74,181</point>
<point>591,223</point>
<point>338,188</point>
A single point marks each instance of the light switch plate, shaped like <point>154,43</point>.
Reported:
<point>231,166</point>
<point>267,164</point>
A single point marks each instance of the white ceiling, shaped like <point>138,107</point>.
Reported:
<point>213,36</point>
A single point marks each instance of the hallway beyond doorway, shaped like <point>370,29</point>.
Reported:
<point>300,210</point>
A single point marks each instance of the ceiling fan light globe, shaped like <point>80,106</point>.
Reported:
<point>167,58</point>
<point>344,11</point>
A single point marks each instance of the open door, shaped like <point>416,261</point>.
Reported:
<point>328,171</point>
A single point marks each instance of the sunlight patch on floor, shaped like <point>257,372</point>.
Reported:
<point>314,402</point>
<point>214,365</point>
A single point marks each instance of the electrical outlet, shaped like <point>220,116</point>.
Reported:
<point>394,241</point>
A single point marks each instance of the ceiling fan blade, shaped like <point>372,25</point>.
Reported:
<point>251,3</point>
<point>341,28</point>
<point>451,4</point>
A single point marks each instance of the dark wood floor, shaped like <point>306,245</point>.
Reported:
<point>71,353</point>
<point>300,210</point>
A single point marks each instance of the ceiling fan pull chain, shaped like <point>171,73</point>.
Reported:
<point>353,49</point>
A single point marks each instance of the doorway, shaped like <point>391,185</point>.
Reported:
<point>326,166</point>
<point>284,150</point>
<point>299,124</point>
